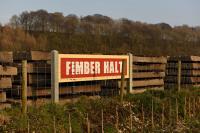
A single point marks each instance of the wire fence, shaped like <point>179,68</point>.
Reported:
<point>149,73</point>
<point>168,115</point>
<point>157,73</point>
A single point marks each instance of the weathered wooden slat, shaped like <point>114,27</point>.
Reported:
<point>149,82</point>
<point>5,83</point>
<point>184,65</point>
<point>176,58</point>
<point>173,65</point>
<point>6,57</point>
<point>174,85</point>
<point>37,68</point>
<point>142,75</point>
<point>8,70</point>
<point>185,58</point>
<point>32,55</point>
<point>79,89</point>
<point>2,96</point>
<point>149,67</point>
<point>184,80</point>
<point>190,66</point>
<point>31,91</point>
<point>195,58</point>
<point>38,55</point>
<point>143,89</point>
<point>39,80</point>
<point>36,80</point>
<point>110,84</point>
<point>137,59</point>
<point>170,85</point>
<point>173,72</point>
<point>145,83</point>
<point>151,87</point>
<point>137,91</point>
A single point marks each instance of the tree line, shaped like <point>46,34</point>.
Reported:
<point>41,30</point>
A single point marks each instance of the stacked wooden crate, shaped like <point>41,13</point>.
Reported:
<point>190,71</point>
<point>148,73</point>
<point>7,71</point>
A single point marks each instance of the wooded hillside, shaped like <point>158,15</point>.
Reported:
<point>40,30</point>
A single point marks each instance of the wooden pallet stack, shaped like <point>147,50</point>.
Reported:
<point>148,73</point>
<point>38,72</point>
<point>190,71</point>
<point>39,77</point>
<point>7,71</point>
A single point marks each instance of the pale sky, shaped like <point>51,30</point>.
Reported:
<point>174,12</point>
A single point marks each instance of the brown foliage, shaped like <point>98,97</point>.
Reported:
<point>97,34</point>
<point>17,39</point>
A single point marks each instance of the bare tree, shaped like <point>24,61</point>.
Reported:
<point>14,21</point>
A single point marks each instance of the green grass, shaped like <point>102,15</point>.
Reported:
<point>41,119</point>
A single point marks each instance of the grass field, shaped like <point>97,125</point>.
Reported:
<point>152,111</point>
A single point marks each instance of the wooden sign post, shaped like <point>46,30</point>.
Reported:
<point>122,81</point>
<point>179,76</point>
<point>130,73</point>
<point>24,86</point>
<point>54,77</point>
